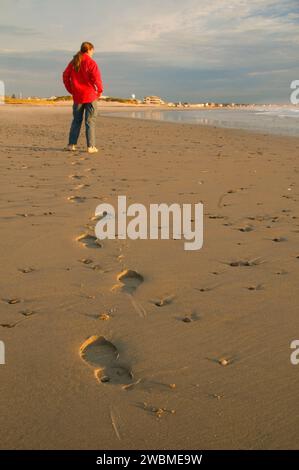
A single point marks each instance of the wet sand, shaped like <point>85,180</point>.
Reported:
<point>198,351</point>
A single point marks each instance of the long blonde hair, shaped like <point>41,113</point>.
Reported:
<point>85,47</point>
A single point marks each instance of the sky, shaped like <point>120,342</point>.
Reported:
<point>192,50</point>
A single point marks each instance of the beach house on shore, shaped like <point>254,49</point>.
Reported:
<point>153,100</point>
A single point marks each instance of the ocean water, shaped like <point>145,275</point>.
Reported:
<point>283,120</point>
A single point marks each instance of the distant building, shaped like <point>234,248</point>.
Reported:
<point>153,100</point>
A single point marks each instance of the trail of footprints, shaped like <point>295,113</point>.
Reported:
<point>101,354</point>
<point>98,352</point>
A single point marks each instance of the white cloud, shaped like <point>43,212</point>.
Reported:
<point>247,38</point>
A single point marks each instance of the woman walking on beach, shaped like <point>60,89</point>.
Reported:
<point>82,79</point>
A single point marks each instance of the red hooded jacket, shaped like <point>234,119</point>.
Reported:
<point>85,85</point>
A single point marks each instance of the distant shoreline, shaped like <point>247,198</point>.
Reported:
<point>114,104</point>
<point>271,119</point>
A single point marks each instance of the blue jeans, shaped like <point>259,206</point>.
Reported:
<point>90,121</point>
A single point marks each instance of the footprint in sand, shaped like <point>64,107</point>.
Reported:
<point>12,301</point>
<point>82,186</point>
<point>189,318</point>
<point>76,177</point>
<point>77,199</point>
<point>220,201</point>
<point>90,264</point>
<point>281,272</point>
<point>96,218</point>
<point>86,260</point>
<point>130,280</point>
<point>163,301</point>
<point>207,288</point>
<point>211,216</point>
<point>26,270</point>
<point>28,312</point>
<point>103,356</point>
<point>279,239</point>
<point>89,241</point>
<point>246,228</point>
<point>255,287</point>
<point>10,325</point>
<point>242,263</point>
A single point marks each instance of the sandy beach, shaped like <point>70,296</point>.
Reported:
<point>198,351</point>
